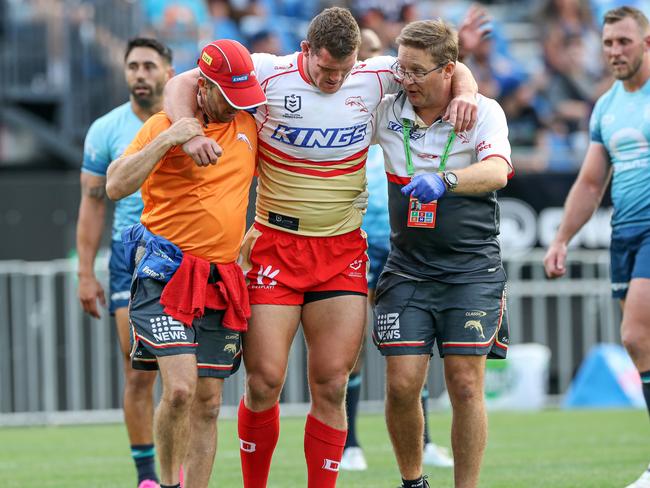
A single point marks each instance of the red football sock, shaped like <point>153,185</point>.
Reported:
<point>258,436</point>
<point>323,450</point>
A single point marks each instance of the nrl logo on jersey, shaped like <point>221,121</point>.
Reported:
<point>293,103</point>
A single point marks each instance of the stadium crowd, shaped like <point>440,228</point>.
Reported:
<point>540,60</point>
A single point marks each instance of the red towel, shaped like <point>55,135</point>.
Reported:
<point>188,293</point>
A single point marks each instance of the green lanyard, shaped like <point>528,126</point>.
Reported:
<point>406,132</point>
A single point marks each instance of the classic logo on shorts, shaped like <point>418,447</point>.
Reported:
<point>166,329</point>
<point>330,465</point>
<point>388,326</point>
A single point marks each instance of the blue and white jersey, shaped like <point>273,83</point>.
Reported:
<point>621,122</point>
<point>375,221</point>
<point>106,140</point>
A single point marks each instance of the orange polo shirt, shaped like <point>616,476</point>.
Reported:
<point>200,209</point>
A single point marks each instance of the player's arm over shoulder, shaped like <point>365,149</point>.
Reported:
<point>157,136</point>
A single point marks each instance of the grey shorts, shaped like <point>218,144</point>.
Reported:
<point>154,334</point>
<point>466,319</point>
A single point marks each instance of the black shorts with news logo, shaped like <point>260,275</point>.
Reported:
<point>154,334</point>
<point>465,319</point>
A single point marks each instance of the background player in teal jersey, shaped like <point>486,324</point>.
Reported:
<point>620,149</point>
<point>147,67</point>
<point>377,227</point>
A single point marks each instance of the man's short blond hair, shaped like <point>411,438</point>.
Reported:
<point>437,37</point>
<point>618,14</point>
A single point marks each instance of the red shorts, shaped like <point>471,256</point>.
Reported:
<point>281,267</point>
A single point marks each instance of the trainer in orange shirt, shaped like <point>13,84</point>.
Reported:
<point>189,301</point>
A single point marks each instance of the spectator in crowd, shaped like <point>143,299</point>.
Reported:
<point>571,94</point>
<point>184,26</point>
<point>223,19</point>
<point>265,41</point>
<point>147,67</point>
<point>527,132</point>
<point>386,18</point>
<point>559,19</point>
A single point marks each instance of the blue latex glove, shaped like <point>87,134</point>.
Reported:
<point>426,188</point>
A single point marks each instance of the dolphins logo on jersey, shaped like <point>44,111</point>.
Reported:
<point>242,137</point>
<point>356,102</point>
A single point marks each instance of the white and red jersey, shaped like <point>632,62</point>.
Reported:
<point>313,145</point>
<point>487,139</point>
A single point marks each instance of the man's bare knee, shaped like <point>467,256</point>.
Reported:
<point>179,395</point>
<point>402,390</point>
<point>634,340</point>
<point>463,388</point>
<point>330,390</point>
<point>264,386</point>
<point>208,408</point>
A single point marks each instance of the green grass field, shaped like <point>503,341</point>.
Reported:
<point>557,449</point>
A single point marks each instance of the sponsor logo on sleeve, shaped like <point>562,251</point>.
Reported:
<point>483,146</point>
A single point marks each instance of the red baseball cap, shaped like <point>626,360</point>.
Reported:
<point>228,64</point>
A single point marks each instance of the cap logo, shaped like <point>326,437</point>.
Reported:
<point>206,58</point>
<point>237,79</point>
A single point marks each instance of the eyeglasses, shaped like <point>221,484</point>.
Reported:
<point>417,76</point>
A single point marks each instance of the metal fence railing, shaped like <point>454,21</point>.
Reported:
<point>54,360</point>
